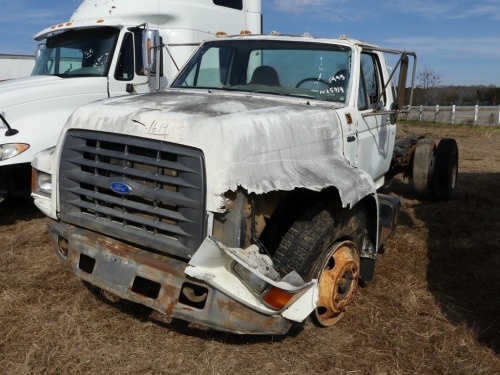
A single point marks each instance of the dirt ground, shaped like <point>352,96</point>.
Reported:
<point>433,307</point>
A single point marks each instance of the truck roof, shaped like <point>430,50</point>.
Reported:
<point>171,14</point>
<point>307,38</point>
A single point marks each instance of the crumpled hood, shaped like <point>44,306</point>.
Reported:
<point>257,143</point>
<point>36,88</point>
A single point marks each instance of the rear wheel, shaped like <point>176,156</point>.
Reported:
<point>325,245</point>
<point>445,169</point>
<point>423,167</point>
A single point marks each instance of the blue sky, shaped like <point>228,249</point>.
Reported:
<point>458,39</point>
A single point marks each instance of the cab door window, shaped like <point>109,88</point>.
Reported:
<point>130,58</point>
<point>125,67</point>
<point>370,86</point>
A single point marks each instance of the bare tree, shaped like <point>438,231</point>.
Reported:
<point>427,80</point>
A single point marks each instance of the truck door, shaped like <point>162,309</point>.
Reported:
<point>128,76</point>
<point>374,151</point>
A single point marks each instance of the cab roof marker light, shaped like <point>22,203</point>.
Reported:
<point>100,21</point>
<point>245,32</point>
<point>220,33</point>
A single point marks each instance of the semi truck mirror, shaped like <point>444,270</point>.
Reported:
<point>403,73</point>
<point>39,51</point>
<point>150,42</point>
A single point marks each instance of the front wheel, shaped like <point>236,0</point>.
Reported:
<point>325,245</point>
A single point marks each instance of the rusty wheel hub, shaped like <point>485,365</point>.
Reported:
<point>337,283</point>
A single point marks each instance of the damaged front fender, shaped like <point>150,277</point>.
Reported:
<point>249,277</point>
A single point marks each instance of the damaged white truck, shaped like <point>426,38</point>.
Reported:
<point>245,197</point>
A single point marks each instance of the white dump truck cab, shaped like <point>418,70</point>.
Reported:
<point>106,49</point>
<point>245,196</point>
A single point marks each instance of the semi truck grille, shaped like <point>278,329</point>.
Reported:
<point>146,192</point>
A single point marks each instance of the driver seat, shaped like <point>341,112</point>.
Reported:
<point>265,75</point>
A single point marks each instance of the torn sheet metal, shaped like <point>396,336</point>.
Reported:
<point>212,265</point>
<point>261,144</point>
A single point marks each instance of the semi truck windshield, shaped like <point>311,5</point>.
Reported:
<point>78,53</point>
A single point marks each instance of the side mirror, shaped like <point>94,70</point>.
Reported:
<point>403,73</point>
<point>150,44</point>
<point>39,51</point>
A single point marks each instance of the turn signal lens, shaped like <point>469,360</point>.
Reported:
<point>277,298</point>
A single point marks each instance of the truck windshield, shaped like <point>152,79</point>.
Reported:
<point>78,53</point>
<point>310,69</point>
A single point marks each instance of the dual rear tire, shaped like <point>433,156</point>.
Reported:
<point>435,168</point>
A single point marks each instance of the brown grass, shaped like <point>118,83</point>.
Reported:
<point>433,307</point>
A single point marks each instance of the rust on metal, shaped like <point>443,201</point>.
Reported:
<point>235,315</point>
<point>337,283</point>
<point>117,266</point>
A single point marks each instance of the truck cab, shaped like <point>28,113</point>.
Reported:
<point>106,49</point>
<point>245,196</point>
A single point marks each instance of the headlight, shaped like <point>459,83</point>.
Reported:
<point>41,182</point>
<point>251,279</point>
<point>273,296</point>
<point>10,150</point>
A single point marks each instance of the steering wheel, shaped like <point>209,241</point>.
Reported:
<point>312,79</point>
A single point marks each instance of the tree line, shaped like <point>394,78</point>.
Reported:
<point>428,91</point>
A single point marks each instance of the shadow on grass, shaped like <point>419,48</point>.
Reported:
<point>464,253</point>
<point>15,208</point>
<point>144,313</point>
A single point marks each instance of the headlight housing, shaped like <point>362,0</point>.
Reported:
<point>9,150</point>
<point>41,182</point>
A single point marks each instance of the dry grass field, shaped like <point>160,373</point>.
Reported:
<point>433,307</point>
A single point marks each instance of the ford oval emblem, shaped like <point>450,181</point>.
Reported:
<point>120,188</point>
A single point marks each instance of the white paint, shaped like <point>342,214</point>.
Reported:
<point>269,144</point>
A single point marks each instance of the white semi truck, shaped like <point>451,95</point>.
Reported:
<point>101,52</point>
<point>246,196</point>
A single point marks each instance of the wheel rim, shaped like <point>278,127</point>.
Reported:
<point>337,283</point>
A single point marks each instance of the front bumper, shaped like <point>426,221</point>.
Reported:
<point>158,282</point>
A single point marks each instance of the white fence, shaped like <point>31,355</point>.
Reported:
<point>472,115</point>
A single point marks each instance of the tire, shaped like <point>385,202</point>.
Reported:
<point>325,244</point>
<point>445,169</point>
<point>423,166</point>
